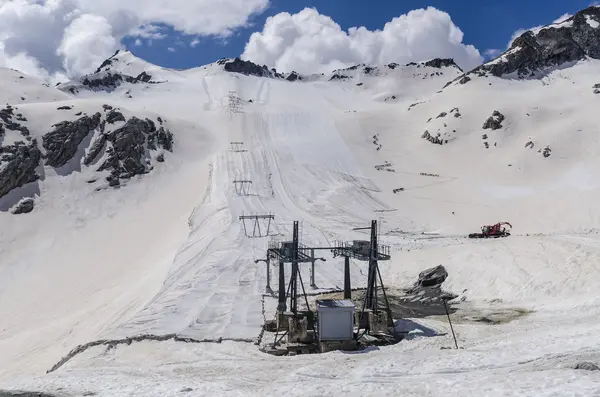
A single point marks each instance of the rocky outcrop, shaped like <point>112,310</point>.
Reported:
<point>248,68</point>
<point>553,45</point>
<point>433,277</point>
<point>113,116</point>
<point>494,122</point>
<point>587,366</point>
<point>62,142</point>
<point>8,121</point>
<point>294,77</point>
<point>434,139</point>
<point>124,146</point>
<point>24,206</point>
<point>442,63</point>
<point>127,154</point>
<point>17,165</point>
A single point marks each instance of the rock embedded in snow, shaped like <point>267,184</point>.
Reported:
<point>248,68</point>
<point>130,143</point>
<point>494,122</point>
<point>113,116</point>
<point>546,152</point>
<point>433,139</point>
<point>24,206</point>
<point>441,63</point>
<point>432,277</point>
<point>62,143</point>
<point>587,366</point>
<point>17,165</point>
<point>7,115</point>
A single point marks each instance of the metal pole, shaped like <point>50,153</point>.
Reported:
<point>281,306</point>
<point>347,287</point>
<point>450,322</point>
<point>312,269</point>
<point>268,275</point>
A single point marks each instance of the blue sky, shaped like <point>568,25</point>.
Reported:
<point>486,24</point>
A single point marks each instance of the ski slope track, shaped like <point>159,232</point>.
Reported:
<point>122,277</point>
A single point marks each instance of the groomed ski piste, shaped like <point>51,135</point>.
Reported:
<point>166,255</point>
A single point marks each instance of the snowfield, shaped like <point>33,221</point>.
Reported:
<point>166,253</point>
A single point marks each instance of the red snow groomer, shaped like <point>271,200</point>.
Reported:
<point>492,231</point>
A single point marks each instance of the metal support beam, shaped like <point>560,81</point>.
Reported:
<point>294,276</point>
<point>256,225</point>
<point>242,187</point>
<point>281,306</point>
<point>347,286</point>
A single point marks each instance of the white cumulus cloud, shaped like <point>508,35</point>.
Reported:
<point>309,42</point>
<point>51,38</point>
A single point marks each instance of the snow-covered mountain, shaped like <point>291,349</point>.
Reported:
<point>119,217</point>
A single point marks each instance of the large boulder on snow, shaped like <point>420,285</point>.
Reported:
<point>433,277</point>
<point>24,206</point>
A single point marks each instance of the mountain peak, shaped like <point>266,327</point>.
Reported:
<point>553,45</point>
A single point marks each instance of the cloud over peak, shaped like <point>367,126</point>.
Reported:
<point>309,42</point>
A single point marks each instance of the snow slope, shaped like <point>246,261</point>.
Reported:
<point>17,88</point>
<point>167,253</point>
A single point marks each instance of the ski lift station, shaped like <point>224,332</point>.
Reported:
<point>335,324</point>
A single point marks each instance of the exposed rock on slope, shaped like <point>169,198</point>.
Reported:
<point>237,65</point>
<point>24,206</point>
<point>571,40</point>
<point>17,165</point>
<point>123,146</point>
<point>494,122</point>
<point>127,155</point>
<point>62,142</point>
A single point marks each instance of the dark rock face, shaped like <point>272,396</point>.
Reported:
<point>7,115</point>
<point>113,116</point>
<point>17,165</point>
<point>96,148</point>
<point>441,63</point>
<point>24,206</point>
<point>494,122</point>
<point>432,277</point>
<point>587,366</point>
<point>62,143</point>
<point>124,151</point>
<point>553,45</point>
<point>338,76</point>
<point>108,62</point>
<point>128,154</point>
<point>109,81</point>
<point>144,77</point>
<point>546,152</point>
<point>433,139</point>
<point>294,77</point>
<point>247,68</point>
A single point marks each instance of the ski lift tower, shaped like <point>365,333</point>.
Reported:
<point>375,316</point>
